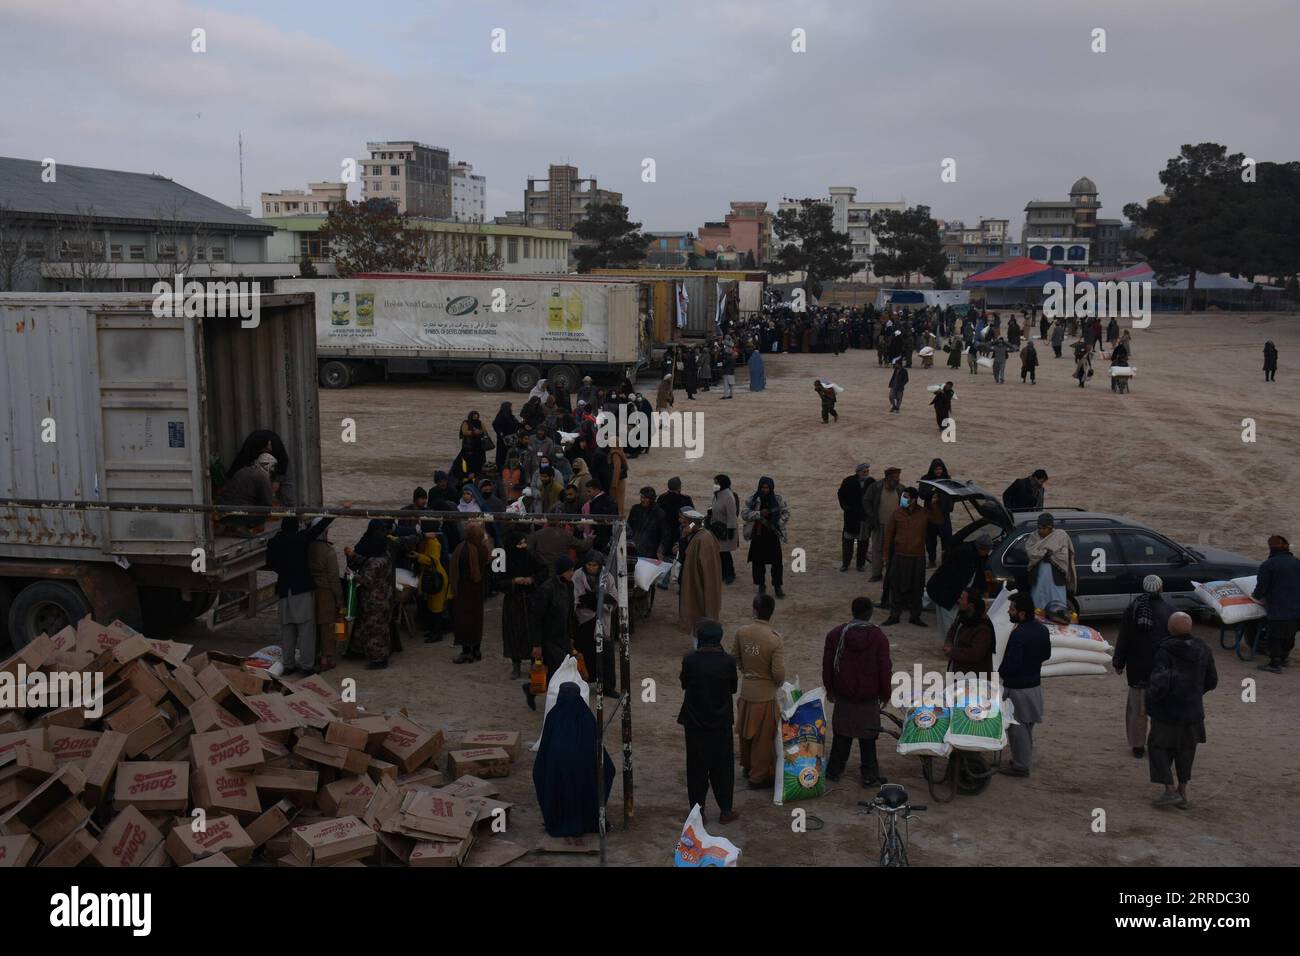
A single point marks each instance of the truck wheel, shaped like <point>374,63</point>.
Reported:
<point>45,607</point>
<point>524,377</point>
<point>6,601</point>
<point>335,375</point>
<point>565,375</point>
<point>490,377</point>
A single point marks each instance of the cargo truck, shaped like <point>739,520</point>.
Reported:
<point>106,402</point>
<point>504,330</point>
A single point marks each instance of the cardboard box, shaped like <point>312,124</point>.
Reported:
<point>70,743</point>
<point>173,652</point>
<point>127,841</point>
<point>298,785</point>
<point>242,681</point>
<point>496,851</point>
<point>96,638</point>
<point>217,859</point>
<point>441,854</point>
<point>221,835</point>
<point>327,842</point>
<point>435,814</point>
<point>62,820</point>
<point>152,786</point>
<point>102,765</point>
<point>208,715</point>
<point>146,735</point>
<point>213,681</point>
<point>131,648</point>
<point>130,716</point>
<point>346,797</point>
<point>275,718</point>
<point>11,722</point>
<point>363,733</point>
<point>71,851</point>
<point>35,655</point>
<point>235,748</point>
<point>310,710</point>
<point>471,786</point>
<point>175,745</point>
<point>48,800</point>
<point>18,850</point>
<point>319,687</point>
<point>409,745</point>
<point>14,790</point>
<point>485,762</point>
<point>139,674</point>
<point>382,770</point>
<point>34,765</point>
<point>507,740</point>
<point>158,857</point>
<point>275,820</point>
<point>183,674</point>
<point>313,748</point>
<point>34,738</point>
<point>175,689</point>
<point>421,778</point>
<point>230,791</point>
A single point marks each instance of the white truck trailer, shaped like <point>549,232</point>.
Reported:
<point>505,330</point>
<point>103,401</point>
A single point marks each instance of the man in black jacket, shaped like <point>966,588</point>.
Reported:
<point>1144,626</point>
<point>286,555</point>
<point>1021,671</point>
<point>599,503</point>
<point>645,525</point>
<point>671,503</point>
<point>1182,673</point>
<point>1026,494</point>
<point>550,609</point>
<point>850,495</point>
<point>709,679</point>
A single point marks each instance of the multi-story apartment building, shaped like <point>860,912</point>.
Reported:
<point>746,229</point>
<point>468,194</point>
<point>973,250</point>
<point>415,176</point>
<point>853,217</point>
<point>1069,233</point>
<point>562,198</point>
<point>319,197</point>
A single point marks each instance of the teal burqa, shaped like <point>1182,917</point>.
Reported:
<point>757,377</point>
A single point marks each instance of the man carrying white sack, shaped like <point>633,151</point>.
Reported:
<point>1021,672</point>
<point>1051,564</point>
<point>1145,625</point>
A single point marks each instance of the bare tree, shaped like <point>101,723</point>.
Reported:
<point>179,240</point>
<point>79,245</point>
<point>460,249</point>
<point>16,258</point>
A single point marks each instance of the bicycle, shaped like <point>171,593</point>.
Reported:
<point>889,807</point>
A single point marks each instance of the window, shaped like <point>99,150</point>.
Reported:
<point>1078,253</point>
<point>527,248</point>
<point>512,249</point>
<point>218,253</point>
<point>71,251</point>
<point>137,253</point>
<point>1058,253</point>
<point>1087,543</point>
<point>393,186</point>
<point>200,253</point>
<point>115,252</point>
<point>1143,548</point>
<point>392,171</point>
<point>166,251</point>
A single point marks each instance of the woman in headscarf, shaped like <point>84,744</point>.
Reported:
<point>372,630</point>
<point>521,577</point>
<point>664,397</point>
<point>505,425</point>
<point>539,392</point>
<point>532,414</point>
<point>569,798</point>
<point>563,400</point>
<point>765,515</point>
<point>938,510</point>
<point>757,374</point>
<point>723,522</point>
<point>1270,361</point>
<point>512,477</point>
<point>586,582</point>
<point>469,567</point>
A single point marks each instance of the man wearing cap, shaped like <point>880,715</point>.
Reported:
<point>1182,673</point>
<point>645,526</point>
<point>700,593</point>
<point>1144,626</point>
<point>879,502</point>
<point>709,679</point>
<point>1050,552</point>
<point>1277,587</point>
<point>759,651</point>
<point>857,531</point>
<point>587,391</point>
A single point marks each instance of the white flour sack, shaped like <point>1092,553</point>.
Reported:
<point>1073,669</point>
<point>1228,601</point>
<point>1068,655</point>
<point>1078,637</point>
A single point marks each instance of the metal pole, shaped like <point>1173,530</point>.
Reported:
<point>625,672</point>
<point>600,707</point>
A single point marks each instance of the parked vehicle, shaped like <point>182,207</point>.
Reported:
<point>107,402</point>
<point>1112,554</point>
<point>508,331</point>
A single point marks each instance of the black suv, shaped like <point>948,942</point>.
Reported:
<point>1111,554</point>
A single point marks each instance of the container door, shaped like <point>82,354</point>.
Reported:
<point>150,430</point>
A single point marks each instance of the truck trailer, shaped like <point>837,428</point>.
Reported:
<point>505,330</point>
<point>107,402</point>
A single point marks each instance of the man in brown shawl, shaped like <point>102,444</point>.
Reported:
<point>701,578</point>
<point>469,566</point>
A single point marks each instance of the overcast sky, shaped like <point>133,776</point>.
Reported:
<point>710,89</point>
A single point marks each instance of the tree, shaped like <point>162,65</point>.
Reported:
<point>811,245</point>
<point>307,268</point>
<point>614,242</point>
<point>16,256</point>
<point>463,248</point>
<point>372,236</point>
<point>179,239</point>
<point>909,242</point>
<point>79,246</point>
<point>748,261</point>
<point>1211,217</point>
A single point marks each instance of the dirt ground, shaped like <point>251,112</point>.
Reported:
<point>1169,454</point>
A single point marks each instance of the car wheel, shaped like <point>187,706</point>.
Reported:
<point>45,607</point>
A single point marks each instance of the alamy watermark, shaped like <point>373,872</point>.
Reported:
<point>920,688</point>
<point>1103,299</point>
<point>20,690</point>
<point>652,430</point>
<point>208,300</point>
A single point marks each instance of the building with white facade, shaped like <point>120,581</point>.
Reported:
<point>468,194</point>
<point>853,217</point>
<point>319,198</point>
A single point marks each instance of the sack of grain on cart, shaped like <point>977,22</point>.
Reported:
<point>1230,600</point>
<point>1077,650</point>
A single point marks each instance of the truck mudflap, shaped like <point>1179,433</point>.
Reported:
<point>234,605</point>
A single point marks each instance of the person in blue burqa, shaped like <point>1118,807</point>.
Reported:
<point>757,377</point>
<point>562,772</point>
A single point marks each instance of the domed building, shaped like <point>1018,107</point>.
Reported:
<point>1068,232</point>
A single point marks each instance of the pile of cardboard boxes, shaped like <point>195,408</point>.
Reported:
<point>206,760</point>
